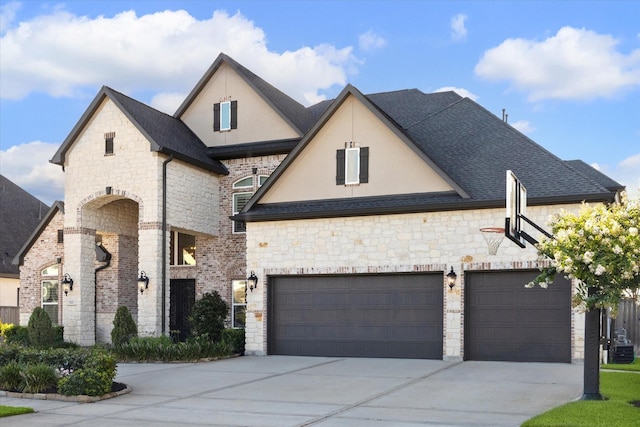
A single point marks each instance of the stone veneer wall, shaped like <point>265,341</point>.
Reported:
<point>44,252</point>
<point>432,241</point>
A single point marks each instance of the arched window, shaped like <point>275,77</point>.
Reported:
<point>50,291</point>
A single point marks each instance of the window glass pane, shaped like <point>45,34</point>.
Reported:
<point>244,183</point>
<point>240,201</point>
<point>262,179</point>
<point>352,165</point>
<point>239,303</point>
<point>50,291</point>
<point>239,316</point>
<point>51,271</point>
<point>186,249</point>
<point>239,291</point>
<point>225,116</point>
<point>52,311</point>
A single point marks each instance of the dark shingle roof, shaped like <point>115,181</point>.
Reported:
<point>595,175</point>
<point>57,206</point>
<point>165,133</point>
<point>20,214</point>
<point>472,149</point>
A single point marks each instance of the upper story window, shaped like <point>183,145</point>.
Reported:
<point>225,116</point>
<point>240,199</point>
<point>182,249</point>
<point>352,165</point>
<point>108,142</point>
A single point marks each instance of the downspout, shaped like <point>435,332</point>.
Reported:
<point>164,240</point>
<point>107,263</point>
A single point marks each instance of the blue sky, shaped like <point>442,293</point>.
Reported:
<point>567,73</point>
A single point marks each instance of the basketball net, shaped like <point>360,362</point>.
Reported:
<point>493,236</point>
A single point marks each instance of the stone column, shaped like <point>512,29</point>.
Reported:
<point>150,310</point>
<point>78,313</point>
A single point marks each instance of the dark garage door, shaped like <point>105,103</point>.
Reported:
<point>385,315</point>
<point>506,321</point>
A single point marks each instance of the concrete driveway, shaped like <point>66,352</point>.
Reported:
<point>319,391</point>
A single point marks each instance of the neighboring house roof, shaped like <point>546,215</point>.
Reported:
<point>465,144</point>
<point>165,133</point>
<point>595,175</point>
<point>20,213</point>
<point>294,113</point>
<point>57,206</point>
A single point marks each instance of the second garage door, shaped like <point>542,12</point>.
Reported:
<point>384,315</point>
<point>505,321</point>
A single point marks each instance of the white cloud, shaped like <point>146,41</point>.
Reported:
<point>8,15</point>
<point>458,30</point>
<point>573,64</point>
<point>27,165</point>
<point>523,126</point>
<point>460,91</point>
<point>626,172</point>
<point>167,102</point>
<point>62,54</point>
<point>369,41</point>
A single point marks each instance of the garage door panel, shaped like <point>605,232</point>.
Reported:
<point>505,321</point>
<point>391,315</point>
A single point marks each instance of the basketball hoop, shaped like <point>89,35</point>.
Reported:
<point>493,236</point>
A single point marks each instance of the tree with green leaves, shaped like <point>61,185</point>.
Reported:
<point>600,247</point>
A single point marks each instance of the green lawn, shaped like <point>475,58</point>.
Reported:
<point>635,366</point>
<point>618,388</point>
<point>7,411</point>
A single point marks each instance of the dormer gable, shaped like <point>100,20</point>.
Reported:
<point>164,133</point>
<point>232,105</point>
<point>354,151</point>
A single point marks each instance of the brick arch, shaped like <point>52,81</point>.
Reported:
<point>96,200</point>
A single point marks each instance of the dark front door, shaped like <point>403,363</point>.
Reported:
<point>504,321</point>
<point>181,299</point>
<point>382,315</point>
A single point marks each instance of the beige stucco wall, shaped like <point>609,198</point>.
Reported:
<point>394,168</point>
<point>9,292</point>
<point>257,121</point>
<point>386,244</point>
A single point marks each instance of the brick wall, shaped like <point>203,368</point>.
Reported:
<point>44,253</point>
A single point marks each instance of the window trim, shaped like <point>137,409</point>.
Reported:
<point>53,280</point>
<point>343,170</point>
<point>225,116</point>
<point>108,143</point>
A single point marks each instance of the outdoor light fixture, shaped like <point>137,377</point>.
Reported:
<point>451,278</point>
<point>67,283</point>
<point>252,281</point>
<point>143,281</point>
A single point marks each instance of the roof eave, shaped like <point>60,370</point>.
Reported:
<point>19,258</point>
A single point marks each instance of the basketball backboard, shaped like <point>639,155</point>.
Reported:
<point>516,206</point>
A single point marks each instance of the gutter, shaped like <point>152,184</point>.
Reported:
<point>164,239</point>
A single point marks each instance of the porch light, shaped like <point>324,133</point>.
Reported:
<point>143,281</point>
<point>67,283</point>
<point>451,278</point>
<point>252,281</point>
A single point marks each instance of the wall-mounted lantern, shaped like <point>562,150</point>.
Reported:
<point>252,281</point>
<point>143,282</point>
<point>67,283</point>
<point>451,278</point>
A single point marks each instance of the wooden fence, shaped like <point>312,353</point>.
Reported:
<point>629,319</point>
<point>10,315</point>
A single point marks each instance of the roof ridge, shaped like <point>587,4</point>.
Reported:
<point>435,113</point>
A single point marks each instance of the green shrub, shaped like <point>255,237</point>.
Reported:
<point>17,335</point>
<point>208,316</point>
<point>10,376</point>
<point>9,353</point>
<point>102,361</point>
<point>144,349</point>
<point>124,328</point>
<point>87,381</point>
<point>37,378</point>
<point>235,339</point>
<point>41,333</point>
